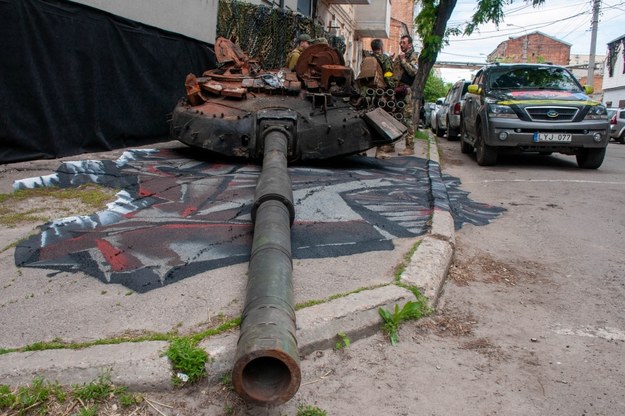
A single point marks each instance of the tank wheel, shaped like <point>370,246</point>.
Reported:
<point>590,158</point>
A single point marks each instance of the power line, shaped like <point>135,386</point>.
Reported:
<point>530,27</point>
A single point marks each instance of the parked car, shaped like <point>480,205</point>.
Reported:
<point>440,126</point>
<point>455,99</point>
<point>434,112</point>
<point>617,124</point>
<point>427,114</point>
<point>532,108</point>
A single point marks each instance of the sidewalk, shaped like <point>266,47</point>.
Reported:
<point>140,365</point>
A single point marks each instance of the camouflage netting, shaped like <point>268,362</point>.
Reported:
<point>267,34</point>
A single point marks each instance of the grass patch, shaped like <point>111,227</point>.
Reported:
<point>57,344</point>
<point>422,135</point>
<point>343,341</point>
<point>308,410</point>
<point>188,360</point>
<point>336,296</point>
<point>43,397</point>
<point>93,196</point>
<point>401,267</point>
<point>97,390</point>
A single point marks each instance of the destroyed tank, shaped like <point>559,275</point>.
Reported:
<point>277,117</point>
<point>227,109</point>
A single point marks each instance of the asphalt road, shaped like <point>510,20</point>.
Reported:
<point>554,270</point>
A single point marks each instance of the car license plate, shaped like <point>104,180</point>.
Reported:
<point>552,137</point>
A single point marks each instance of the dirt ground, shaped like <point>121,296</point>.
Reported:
<point>442,363</point>
<point>484,352</point>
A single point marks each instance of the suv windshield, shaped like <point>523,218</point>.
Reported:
<point>552,78</point>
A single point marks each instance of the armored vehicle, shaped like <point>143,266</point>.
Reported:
<point>277,116</point>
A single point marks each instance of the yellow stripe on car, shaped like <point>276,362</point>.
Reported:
<point>554,102</point>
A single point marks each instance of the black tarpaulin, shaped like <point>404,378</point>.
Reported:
<point>74,79</point>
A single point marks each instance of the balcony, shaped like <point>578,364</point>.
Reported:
<point>374,20</point>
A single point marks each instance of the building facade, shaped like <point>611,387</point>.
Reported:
<point>614,74</point>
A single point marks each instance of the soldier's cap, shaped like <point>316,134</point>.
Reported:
<point>319,40</point>
<point>304,37</point>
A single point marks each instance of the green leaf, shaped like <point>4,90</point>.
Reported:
<point>393,336</point>
<point>386,316</point>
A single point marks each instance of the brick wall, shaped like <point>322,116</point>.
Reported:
<point>597,85</point>
<point>540,48</point>
<point>401,12</point>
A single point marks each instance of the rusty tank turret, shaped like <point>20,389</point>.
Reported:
<point>277,117</point>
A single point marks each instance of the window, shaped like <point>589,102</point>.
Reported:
<point>304,7</point>
<point>552,78</point>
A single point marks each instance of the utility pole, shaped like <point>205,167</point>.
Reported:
<point>593,42</point>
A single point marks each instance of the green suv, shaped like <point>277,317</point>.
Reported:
<point>532,108</point>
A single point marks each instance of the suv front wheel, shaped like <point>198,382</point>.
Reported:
<point>590,158</point>
<point>485,154</point>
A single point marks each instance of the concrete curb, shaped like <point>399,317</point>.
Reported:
<point>142,367</point>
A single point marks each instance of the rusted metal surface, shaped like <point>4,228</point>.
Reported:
<point>223,116</point>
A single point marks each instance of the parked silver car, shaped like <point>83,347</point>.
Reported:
<point>434,115</point>
<point>440,126</point>
<point>617,124</point>
<point>453,113</point>
<point>427,114</point>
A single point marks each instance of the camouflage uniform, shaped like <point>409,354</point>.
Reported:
<point>387,68</point>
<point>404,72</point>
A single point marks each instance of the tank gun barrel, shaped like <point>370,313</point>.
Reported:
<point>266,369</point>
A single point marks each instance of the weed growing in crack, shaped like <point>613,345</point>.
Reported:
<point>97,390</point>
<point>308,410</point>
<point>343,341</point>
<point>187,359</point>
<point>411,310</point>
<point>43,397</point>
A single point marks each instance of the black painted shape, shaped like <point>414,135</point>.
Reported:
<point>177,217</point>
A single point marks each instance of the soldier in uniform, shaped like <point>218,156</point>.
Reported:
<point>385,62</point>
<point>383,152</point>
<point>303,41</point>
<point>405,70</point>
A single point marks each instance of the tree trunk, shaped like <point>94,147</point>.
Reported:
<point>432,44</point>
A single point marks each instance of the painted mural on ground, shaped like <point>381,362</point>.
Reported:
<point>176,216</point>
